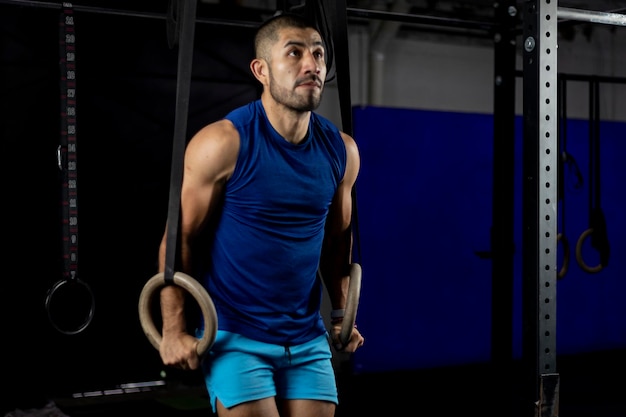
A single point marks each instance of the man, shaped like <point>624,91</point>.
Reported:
<point>271,184</point>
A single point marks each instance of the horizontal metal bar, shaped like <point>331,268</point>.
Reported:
<point>607,18</point>
<point>608,79</point>
<point>420,19</point>
<point>125,13</point>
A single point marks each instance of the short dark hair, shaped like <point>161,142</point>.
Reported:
<point>267,33</point>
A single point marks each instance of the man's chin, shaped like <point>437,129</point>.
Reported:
<point>310,106</point>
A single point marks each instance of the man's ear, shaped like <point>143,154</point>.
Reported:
<point>259,69</point>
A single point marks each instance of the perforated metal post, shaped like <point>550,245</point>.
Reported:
<point>540,199</point>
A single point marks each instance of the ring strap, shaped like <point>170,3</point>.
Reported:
<point>63,295</point>
<point>185,60</point>
<point>66,153</point>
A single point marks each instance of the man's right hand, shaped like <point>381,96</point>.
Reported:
<point>180,350</point>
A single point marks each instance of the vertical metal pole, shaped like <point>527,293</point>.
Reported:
<point>503,201</point>
<point>540,202</point>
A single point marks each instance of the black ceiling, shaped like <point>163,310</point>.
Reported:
<point>459,17</point>
<point>252,11</point>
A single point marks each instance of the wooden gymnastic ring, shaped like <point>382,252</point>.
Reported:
<point>198,292</point>
<point>352,304</point>
<point>579,253</point>
<point>566,253</point>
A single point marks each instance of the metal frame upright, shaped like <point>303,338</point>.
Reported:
<point>539,235</point>
<point>539,194</point>
<point>502,229</point>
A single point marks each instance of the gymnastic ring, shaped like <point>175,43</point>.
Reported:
<point>352,304</point>
<point>59,290</point>
<point>579,253</point>
<point>561,237</point>
<point>198,292</point>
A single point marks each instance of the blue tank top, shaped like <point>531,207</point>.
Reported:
<point>262,273</point>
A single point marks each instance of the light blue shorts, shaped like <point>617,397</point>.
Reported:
<point>238,369</point>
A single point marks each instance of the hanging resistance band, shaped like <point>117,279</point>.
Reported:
<point>563,160</point>
<point>70,302</point>
<point>597,223</point>
<point>184,28</point>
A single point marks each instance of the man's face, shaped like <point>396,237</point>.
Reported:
<point>297,69</point>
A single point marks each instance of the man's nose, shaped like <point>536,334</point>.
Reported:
<point>311,64</point>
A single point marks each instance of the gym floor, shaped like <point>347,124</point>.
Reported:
<point>590,386</point>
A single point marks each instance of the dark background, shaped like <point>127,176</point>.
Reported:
<point>126,95</point>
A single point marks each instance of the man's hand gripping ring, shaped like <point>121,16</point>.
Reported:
<point>198,292</point>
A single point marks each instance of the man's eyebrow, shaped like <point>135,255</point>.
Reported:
<point>300,43</point>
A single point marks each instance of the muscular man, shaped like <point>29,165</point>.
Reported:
<point>271,185</point>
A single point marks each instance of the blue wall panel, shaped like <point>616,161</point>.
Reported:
<point>424,217</point>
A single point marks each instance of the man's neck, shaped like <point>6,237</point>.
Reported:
<point>291,125</point>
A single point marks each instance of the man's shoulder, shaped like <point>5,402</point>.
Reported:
<point>325,124</point>
<point>244,113</point>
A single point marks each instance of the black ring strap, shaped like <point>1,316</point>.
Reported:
<point>70,302</point>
